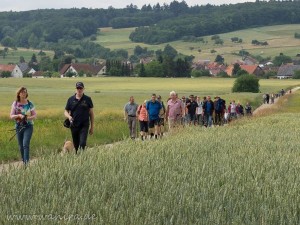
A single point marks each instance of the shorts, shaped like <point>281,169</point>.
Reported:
<point>153,123</point>
<point>144,126</point>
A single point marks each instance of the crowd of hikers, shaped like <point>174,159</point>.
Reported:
<point>153,114</point>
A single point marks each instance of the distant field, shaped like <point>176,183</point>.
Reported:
<point>13,56</point>
<point>280,38</point>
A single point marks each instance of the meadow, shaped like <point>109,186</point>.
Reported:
<point>13,56</point>
<point>244,173</point>
<point>109,96</point>
<point>280,39</point>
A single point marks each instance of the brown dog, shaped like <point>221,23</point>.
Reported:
<point>68,147</point>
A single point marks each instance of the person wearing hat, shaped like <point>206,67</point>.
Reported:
<point>79,110</point>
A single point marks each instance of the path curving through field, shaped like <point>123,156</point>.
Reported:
<point>19,164</point>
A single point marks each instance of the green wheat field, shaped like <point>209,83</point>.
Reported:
<point>244,173</point>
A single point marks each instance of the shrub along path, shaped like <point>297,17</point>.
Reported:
<point>257,112</point>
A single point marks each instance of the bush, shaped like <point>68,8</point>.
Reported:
<point>246,83</point>
<point>296,74</point>
<point>200,73</point>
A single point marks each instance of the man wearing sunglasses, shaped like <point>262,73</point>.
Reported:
<point>79,110</point>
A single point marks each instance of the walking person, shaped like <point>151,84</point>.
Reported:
<point>153,107</point>
<point>162,113</point>
<point>130,112</point>
<point>208,109</point>
<point>23,112</point>
<point>248,109</point>
<point>199,111</point>
<point>267,98</point>
<point>175,111</point>
<point>219,107</point>
<point>191,106</point>
<point>79,110</point>
<point>143,119</point>
<point>272,98</point>
<point>233,110</point>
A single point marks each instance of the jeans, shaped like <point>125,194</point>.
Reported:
<point>208,120</point>
<point>24,136</point>
<point>79,136</point>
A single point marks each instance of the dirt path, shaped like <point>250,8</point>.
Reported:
<point>257,111</point>
<point>19,164</point>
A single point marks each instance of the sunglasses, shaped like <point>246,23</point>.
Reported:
<point>79,88</point>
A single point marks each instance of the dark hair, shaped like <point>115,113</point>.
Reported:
<point>19,91</point>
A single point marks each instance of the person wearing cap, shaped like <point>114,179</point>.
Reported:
<point>130,112</point>
<point>79,110</point>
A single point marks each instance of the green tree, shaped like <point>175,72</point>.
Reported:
<point>246,83</point>
<point>46,64</point>
<point>5,74</point>
<point>236,69</point>
<point>142,72</point>
<point>22,59</point>
<point>281,59</point>
<point>296,74</point>
<point>8,42</point>
<point>219,59</point>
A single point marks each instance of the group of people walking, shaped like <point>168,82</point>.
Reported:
<point>153,114</point>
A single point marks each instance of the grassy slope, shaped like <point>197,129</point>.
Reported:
<point>280,39</point>
<point>246,173</point>
<point>13,56</point>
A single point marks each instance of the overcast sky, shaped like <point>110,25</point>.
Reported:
<point>21,5</point>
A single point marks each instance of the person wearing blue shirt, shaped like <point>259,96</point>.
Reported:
<point>208,109</point>
<point>153,107</point>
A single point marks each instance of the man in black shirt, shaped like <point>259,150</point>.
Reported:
<point>191,107</point>
<point>79,110</point>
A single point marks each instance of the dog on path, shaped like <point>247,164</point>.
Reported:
<point>68,147</point>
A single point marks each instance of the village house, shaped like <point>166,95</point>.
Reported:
<point>86,69</point>
<point>251,69</point>
<point>215,68</point>
<point>13,69</point>
<point>287,71</point>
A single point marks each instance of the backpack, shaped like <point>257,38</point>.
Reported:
<point>219,105</point>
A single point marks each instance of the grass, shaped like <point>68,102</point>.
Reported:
<point>280,38</point>
<point>109,96</point>
<point>13,56</point>
<point>245,173</point>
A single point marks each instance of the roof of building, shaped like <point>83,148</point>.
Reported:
<point>87,68</point>
<point>9,68</point>
<point>24,67</point>
<point>287,70</point>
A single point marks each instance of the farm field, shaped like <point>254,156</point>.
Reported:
<point>280,38</point>
<point>13,56</point>
<point>109,96</point>
<point>244,173</point>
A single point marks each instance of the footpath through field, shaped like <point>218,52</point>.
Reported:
<point>7,166</point>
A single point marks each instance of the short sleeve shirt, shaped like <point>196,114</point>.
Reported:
<point>175,108</point>
<point>131,109</point>
<point>81,114</point>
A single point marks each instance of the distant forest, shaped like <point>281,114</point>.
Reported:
<point>73,30</point>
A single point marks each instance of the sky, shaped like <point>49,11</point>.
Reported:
<point>18,5</point>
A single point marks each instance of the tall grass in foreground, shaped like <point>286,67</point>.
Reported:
<point>246,173</point>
